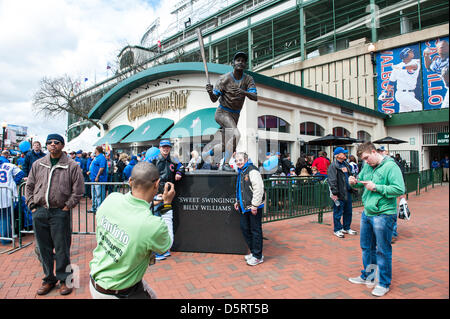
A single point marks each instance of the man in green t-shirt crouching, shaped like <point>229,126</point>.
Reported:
<point>127,235</point>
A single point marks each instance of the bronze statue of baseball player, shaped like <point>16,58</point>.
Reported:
<point>231,90</point>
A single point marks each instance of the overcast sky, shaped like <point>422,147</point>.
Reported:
<point>56,37</point>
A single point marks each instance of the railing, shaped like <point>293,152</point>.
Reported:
<point>7,229</point>
<point>289,197</point>
<point>286,197</point>
<point>82,216</point>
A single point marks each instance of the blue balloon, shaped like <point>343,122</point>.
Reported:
<point>151,154</point>
<point>24,146</point>
<point>271,164</point>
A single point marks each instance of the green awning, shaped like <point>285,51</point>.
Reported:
<point>198,123</point>
<point>149,131</point>
<point>115,135</point>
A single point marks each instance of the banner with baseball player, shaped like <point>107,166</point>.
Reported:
<point>435,73</point>
<point>399,84</point>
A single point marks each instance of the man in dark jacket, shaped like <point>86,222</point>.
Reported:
<point>341,193</point>
<point>286,164</point>
<point>55,185</point>
<point>32,156</point>
<point>170,169</point>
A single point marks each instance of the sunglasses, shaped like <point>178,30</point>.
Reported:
<point>53,142</point>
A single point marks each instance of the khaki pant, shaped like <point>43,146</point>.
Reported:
<point>445,174</point>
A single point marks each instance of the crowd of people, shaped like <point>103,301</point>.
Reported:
<point>56,181</point>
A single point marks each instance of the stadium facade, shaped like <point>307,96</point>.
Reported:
<point>343,50</point>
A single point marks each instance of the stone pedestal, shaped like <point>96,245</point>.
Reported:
<point>204,216</point>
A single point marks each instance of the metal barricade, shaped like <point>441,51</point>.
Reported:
<point>7,224</point>
<point>82,215</point>
<point>289,197</point>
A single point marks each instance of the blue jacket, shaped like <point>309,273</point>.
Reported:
<point>30,158</point>
<point>127,170</point>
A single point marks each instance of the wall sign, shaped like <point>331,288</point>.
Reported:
<point>174,101</point>
<point>442,138</point>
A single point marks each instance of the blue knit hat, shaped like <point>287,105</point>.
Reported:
<point>55,137</point>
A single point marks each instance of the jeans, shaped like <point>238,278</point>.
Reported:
<point>251,227</point>
<point>343,210</point>
<point>98,195</point>
<point>5,220</point>
<point>375,239</point>
<point>53,230</point>
<point>394,231</point>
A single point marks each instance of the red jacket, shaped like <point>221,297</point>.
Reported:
<point>322,165</point>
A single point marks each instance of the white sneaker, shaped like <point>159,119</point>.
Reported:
<point>358,280</point>
<point>255,261</point>
<point>350,232</point>
<point>339,234</point>
<point>247,257</point>
<point>379,291</point>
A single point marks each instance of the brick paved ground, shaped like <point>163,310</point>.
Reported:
<point>302,260</point>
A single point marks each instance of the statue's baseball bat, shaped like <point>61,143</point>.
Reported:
<point>202,51</point>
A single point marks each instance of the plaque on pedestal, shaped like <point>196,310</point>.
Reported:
<point>204,216</point>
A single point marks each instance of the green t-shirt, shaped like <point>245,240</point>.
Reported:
<point>127,233</point>
<point>54,161</point>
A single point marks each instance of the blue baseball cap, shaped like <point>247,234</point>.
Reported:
<point>165,143</point>
<point>339,150</point>
<point>404,53</point>
<point>277,153</point>
<point>268,154</point>
<point>381,148</point>
<point>134,157</point>
<point>79,152</point>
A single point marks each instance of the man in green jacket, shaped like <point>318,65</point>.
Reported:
<point>383,182</point>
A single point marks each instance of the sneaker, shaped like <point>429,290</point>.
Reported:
<point>358,280</point>
<point>167,254</point>
<point>349,231</point>
<point>247,257</point>
<point>379,291</point>
<point>160,257</point>
<point>339,234</point>
<point>255,261</point>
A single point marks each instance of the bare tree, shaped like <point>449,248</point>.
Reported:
<point>58,95</point>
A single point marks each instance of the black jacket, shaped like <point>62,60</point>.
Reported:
<point>30,158</point>
<point>336,180</point>
<point>167,168</point>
